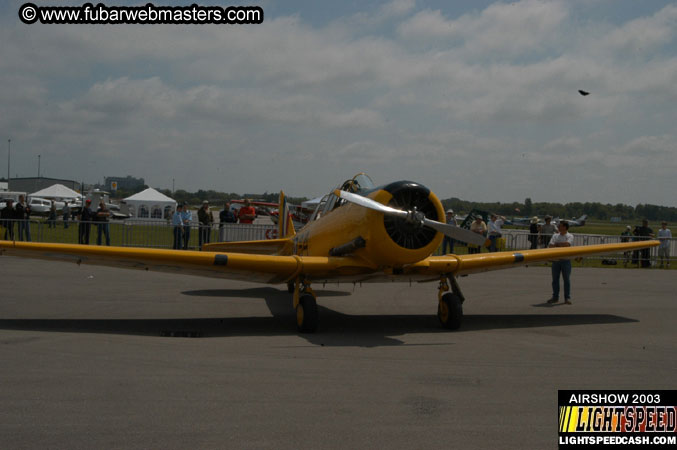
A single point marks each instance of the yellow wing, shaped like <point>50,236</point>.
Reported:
<point>483,262</point>
<point>238,266</point>
<point>280,268</point>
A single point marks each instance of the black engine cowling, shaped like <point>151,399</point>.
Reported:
<point>408,196</point>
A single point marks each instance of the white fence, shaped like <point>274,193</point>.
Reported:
<point>136,233</point>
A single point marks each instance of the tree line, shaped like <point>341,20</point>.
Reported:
<point>594,210</point>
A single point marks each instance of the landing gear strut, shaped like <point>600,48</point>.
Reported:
<point>306,307</point>
<point>450,304</point>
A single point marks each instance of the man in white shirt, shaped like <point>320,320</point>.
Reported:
<point>451,220</point>
<point>665,236</point>
<point>495,230</point>
<point>563,266</point>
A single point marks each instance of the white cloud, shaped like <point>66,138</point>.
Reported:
<point>516,28</point>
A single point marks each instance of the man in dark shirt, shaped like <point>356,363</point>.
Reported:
<point>86,218</point>
<point>226,215</point>
<point>204,216</point>
<point>102,214</point>
<point>533,232</point>
<point>22,213</point>
<point>645,233</point>
<point>7,216</point>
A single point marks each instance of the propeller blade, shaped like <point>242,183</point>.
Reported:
<point>369,203</point>
<point>460,234</point>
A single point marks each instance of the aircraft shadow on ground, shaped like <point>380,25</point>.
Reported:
<point>335,328</point>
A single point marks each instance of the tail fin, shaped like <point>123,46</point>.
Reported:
<point>285,225</point>
<point>582,219</point>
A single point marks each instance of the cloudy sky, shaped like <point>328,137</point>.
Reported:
<point>475,99</point>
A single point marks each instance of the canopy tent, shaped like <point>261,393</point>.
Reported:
<point>57,192</point>
<point>150,204</point>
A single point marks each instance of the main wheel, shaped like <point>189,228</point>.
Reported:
<point>450,311</point>
<point>306,314</point>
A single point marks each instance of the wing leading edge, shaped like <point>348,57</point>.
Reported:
<point>279,269</point>
<point>482,262</point>
<point>239,266</point>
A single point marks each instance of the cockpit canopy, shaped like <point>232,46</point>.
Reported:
<point>359,184</point>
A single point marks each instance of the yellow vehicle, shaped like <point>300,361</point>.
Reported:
<point>358,233</point>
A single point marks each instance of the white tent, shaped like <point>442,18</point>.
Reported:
<point>150,205</point>
<point>57,192</point>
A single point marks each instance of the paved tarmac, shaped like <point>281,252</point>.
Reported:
<point>88,359</point>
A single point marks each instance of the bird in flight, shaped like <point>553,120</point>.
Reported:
<point>583,93</point>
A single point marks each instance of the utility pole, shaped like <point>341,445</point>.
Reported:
<point>9,152</point>
<point>39,166</point>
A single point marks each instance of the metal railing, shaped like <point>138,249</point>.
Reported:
<point>130,233</point>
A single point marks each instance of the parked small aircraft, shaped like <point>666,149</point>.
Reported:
<point>526,221</point>
<point>359,233</point>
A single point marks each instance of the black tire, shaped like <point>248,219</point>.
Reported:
<point>306,314</point>
<point>290,287</point>
<point>450,311</point>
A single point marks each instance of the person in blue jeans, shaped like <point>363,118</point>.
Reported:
<point>187,219</point>
<point>177,222</point>
<point>562,266</point>
<point>495,231</point>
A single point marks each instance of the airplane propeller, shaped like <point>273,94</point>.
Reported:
<point>414,217</point>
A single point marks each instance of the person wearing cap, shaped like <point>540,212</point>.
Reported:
<point>547,230</point>
<point>204,216</point>
<point>7,216</point>
<point>247,213</point>
<point>562,266</point>
<point>451,220</point>
<point>665,236</point>
<point>533,232</point>
<point>178,227</point>
<point>85,226</point>
<point>625,237</point>
<point>477,226</point>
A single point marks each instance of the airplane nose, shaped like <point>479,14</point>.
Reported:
<point>415,198</point>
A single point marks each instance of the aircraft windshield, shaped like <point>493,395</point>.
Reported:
<point>362,182</point>
<point>359,183</point>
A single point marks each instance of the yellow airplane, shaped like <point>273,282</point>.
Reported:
<point>358,233</point>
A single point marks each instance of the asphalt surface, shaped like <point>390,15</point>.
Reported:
<point>94,357</point>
